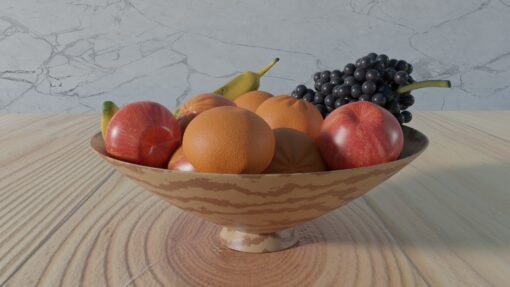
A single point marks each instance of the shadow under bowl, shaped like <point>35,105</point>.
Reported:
<point>258,211</point>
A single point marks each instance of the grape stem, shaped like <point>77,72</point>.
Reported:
<point>424,84</point>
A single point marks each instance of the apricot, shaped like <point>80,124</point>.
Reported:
<point>198,104</point>
<point>288,112</point>
<point>252,100</point>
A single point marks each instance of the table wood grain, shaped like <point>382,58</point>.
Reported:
<point>67,219</point>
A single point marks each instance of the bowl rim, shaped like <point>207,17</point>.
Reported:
<point>256,175</point>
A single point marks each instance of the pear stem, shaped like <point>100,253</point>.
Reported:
<point>424,84</point>
<point>266,68</point>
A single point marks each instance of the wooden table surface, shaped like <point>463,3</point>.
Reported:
<point>68,219</point>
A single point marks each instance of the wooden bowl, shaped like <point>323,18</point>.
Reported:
<point>258,211</point>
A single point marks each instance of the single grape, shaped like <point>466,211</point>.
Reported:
<point>383,59</point>
<point>318,85</point>
<point>388,93</point>
<point>365,62</point>
<point>393,86</point>
<point>318,98</point>
<point>301,90</point>
<point>368,87</point>
<point>330,109</point>
<point>400,117</point>
<point>407,116</point>
<point>407,100</point>
<point>341,102</point>
<point>373,75</point>
<point>401,65</point>
<point>392,63</point>
<point>329,101</point>
<point>356,91</point>
<point>344,91</point>
<point>317,76</point>
<point>327,88</point>
<point>326,75</point>
<point>358,63</point>
<point>379,66</point>
<point>309,97</point>
<point>349,69</point>
<point>372,56</point>
<point>334,92</point>
<point>365,97</point>
<point>350,81</point>
<point>338,103</point>
<point>359,74</point>
<point>389,74</point>
<point>379,99</point>
<point>400,78</point>
<point>322,109</point>
<point>337,81</point>
<point>392,106</point>
<point>336,74</point>
<point>409,68</point>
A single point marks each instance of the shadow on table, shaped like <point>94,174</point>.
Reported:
<point>453,207</point>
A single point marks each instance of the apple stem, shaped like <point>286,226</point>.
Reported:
<point>266,68</point>
<point>424,84</point>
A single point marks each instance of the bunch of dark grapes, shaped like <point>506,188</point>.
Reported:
<point>373,78</point>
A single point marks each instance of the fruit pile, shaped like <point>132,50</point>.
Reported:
<point>256,133</point>
<point>373,78</point>
<point>239,129</point>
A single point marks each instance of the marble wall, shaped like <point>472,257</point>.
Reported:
<point>70,55</point>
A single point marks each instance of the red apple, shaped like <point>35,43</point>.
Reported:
<point>143,133</point>
<point>178,161</point>
<point>360,134</point>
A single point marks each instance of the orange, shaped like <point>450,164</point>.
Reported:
<point>198,104</point>
<point>289,112</point>
<point>294,152</point>
<point>252,100</point>
<point>229,140</point>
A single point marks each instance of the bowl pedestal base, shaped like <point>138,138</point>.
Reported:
<point>258,243</point>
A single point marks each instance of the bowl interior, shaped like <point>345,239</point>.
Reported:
<point>263,203</point>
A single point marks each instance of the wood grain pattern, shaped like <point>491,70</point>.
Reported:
<point>442,221</point>
<point>44,177</point>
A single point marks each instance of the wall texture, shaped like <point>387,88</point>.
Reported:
<point>70,55</point>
